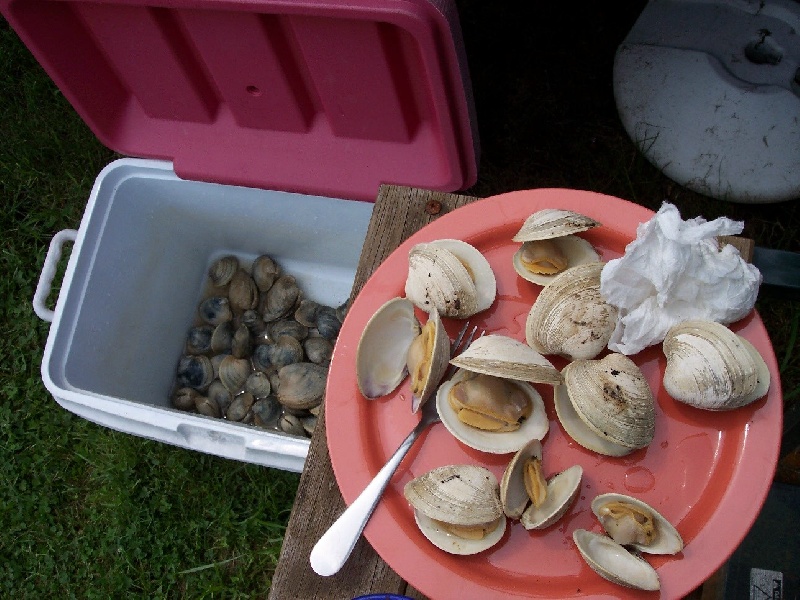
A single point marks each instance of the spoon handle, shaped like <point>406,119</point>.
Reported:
<point>334,547</point>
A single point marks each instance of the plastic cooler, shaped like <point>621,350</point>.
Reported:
<point>255,126</point>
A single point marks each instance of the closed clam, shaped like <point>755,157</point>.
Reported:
<point>265,271</point>
<point>286,350</point>
<point>318,350</point>
<point>195,371</point>
<point>302,385</point>
<point>711,367</point>
<point>183,398</point>
<point>242,292</point>
<point>550,246</point>
<point>457,508</point>
<point>222,270</point>
<point>257,383</point>
<point>570,317</point>
<point>215,310</point>
<point>240,406</point>
<point>198,340</point>
<point>281,299</point>
<point>632,522</point>
<point>222,338</point>
<point>606,405</point>
<point>451,276</point>
<point>233,373</point>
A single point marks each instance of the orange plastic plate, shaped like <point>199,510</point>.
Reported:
<point>707,472</point>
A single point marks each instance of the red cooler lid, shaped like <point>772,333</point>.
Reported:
<point>319,97</point>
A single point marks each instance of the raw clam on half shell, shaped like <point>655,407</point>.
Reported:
<point>457,507</point>
<point>711,367</point>
<point>570,317</point>
<point>606,405</point>
<point>451,276</point>
<point>550,246</point>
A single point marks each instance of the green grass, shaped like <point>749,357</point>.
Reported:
<point>91,513</point>
<point>87,512</point>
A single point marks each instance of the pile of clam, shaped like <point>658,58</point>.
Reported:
<point>258,352</point>
<point>602,399</point>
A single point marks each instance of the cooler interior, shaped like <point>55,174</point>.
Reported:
<point>148,238</point>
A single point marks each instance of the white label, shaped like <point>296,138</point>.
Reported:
<point>766,585</point>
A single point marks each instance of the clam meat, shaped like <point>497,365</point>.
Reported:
<point>395,344</point>
<point>632,522</point>
<point>491,414</point>
<point>606,405</point>
<point>457,508</point>
<point>526,494</point>
<point>711,367</point>
<point>550,246</point>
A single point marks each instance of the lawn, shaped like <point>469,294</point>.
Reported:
<point>91,513</point>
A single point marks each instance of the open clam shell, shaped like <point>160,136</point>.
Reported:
<point>562,490</point>
<point>504,356</point>
<point>540,263</point>
<point>458,497</point>
<point>451,276</point>
<point>551,223</point>
<point>614,563</point>
<point>513,494</point>
<point>533,427</point>
<point>632,522</point>
<point>711,367</point>
<point>606,405</point>
<point>383,347</point>
<point>570,316</point>
<point>427,359</point>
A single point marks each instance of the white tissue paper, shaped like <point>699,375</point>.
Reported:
<point>674,271</point>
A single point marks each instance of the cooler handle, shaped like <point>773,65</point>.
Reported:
<point>49,268</point>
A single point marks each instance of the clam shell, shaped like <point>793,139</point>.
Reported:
<point>562,490</point>
<point>451,276</point>
<point>668,540</point>
<point>233,372</point>
<point>503,356</point>
<point>513,495</point>
<point>614,563</point>
<point>466,495</point>
<point>711,367</point>
<point>534,427</point>
<point>222,270</point>
<point>552,223</point>
<point>570,317</point>
<point>382,349</point>
<point>612,398</point>
<point>575,249</point>
<point>302,385</point>
<point>437,361</point>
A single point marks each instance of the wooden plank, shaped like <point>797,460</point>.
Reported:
<point>398,213</point>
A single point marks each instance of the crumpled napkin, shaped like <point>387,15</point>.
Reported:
<point>673,271</point>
